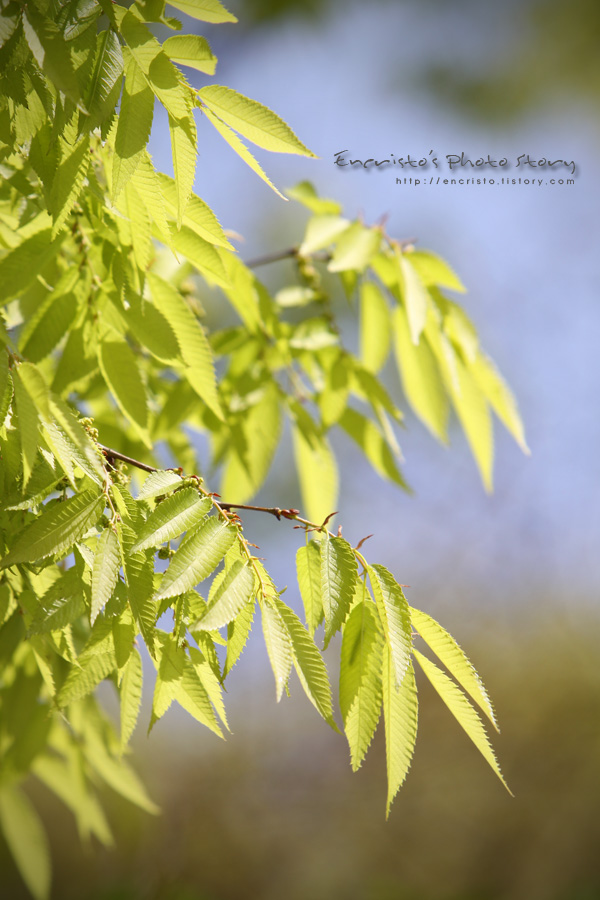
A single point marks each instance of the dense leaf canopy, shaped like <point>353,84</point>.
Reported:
<point>107,370</point>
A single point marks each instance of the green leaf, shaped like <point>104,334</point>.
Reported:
<point>105,572</point>
<point>321,231</point>
<point>51,51</point>
<point>117,774</point>
<point>198,216</point>
<point>240,148</point>
<point>279,646</point>
<point>234,592</point>
<point>334,396</point>
<point>197,557</point>
<point>308,662</point>
<point>416,299</point>
<point>21,265</point>
<point>253,447</point>
<point>146,182</point>
<point>453,657</point>
<point>400,715</point>
<point>56,529</point>
<point>158,483</point>
<point>183,147</point>
<point>308,568</point>
<point>395,617</point>
<point>237,635</point>
<point>105,82</point>
<point>134,126</point>
<point>434,271</point>
<point>499,396</point>
<point>255,122</point>
<point>68,181</point>
<point>4,382</point>
<point>122,376</point>
<point>373,445</point>
<point>191,50</point>
<point>173,516</point>
<point>205,10</point>
<point>123,628</point>
<point>177,679</point>
<point>472,410</point>
<point>54,316</point>
<point>194,346</point>
<point>360,679</point>
<point>28,422</point>
<point>130,693</point>
<point>153,331</point>
<point>462,711</point>
<point>375,332</point>
<point>62,777</point>
<point>167,84</point>
<point>70,443</point>
<point>61,605</point>
<point>139,572</point>
<point>421,378</point>
<point>317,472</point>
<point>202,254</point>
<point>133,208</point>
<point>305,193</point>
<point>339,572</point>
<point>26,838</point>
<point>83,679</point>
<point>355,248</point>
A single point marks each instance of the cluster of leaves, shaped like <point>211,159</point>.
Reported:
<point>102,260</point>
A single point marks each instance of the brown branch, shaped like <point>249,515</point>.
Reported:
<point>271,510</point>
<point>293,514</point>
<point>271,257</point>
<point>290,253</point>
<point>114,454</point>
<point>319,256</point>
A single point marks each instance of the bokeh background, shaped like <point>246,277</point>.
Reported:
<point>275,812</point>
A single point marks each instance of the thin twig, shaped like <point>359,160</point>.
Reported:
<point>320,256</point>
<point>272,510</point>
<point>224,507</point>
<point>271,257</point>
<point>114,454</point>
<point>289,253</point>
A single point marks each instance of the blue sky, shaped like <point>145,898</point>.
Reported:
<point>527,255</point>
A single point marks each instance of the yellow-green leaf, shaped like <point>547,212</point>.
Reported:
<point>255,122</point>
<point>26,838</point>
<point>197,557</point>
<point>421,378</point>
<point>400,714</point>
<point>453,657</point>
<point>375,331</point>
<point>105,571</point>
<point>122,375</point>
<point>131,696</point>
<point>240,148</point>
<point>204,10</point>
<point>191,50</point>
<point>360,679</point>
<point>462,710</point>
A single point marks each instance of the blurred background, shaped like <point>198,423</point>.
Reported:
<point>276,812</point>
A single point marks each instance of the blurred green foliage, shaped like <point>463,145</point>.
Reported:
<point>276,813</point>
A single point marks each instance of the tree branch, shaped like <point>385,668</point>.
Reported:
<point>271,257</point>
<point>292,252</point>
<point>114,454</point>
<point>293,514</point>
